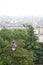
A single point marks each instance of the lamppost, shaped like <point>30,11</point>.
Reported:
<point>13,48</point>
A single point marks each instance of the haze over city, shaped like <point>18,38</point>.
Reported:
<point>18,12</point>
<point>21,7</point>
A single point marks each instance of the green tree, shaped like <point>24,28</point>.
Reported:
<point>40,55</point>
<point>16,34</point>
<point>32,44</point>
<point>21,56</point>
<point>31,39</point>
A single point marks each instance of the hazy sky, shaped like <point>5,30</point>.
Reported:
<point>21,7</point>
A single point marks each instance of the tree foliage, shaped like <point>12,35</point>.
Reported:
<point>21,55</point>
<point>33,45</point>
<point>28,52</point>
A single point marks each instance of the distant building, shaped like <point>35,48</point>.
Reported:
<point>38,31</point>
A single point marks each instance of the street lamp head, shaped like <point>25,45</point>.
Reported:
<point>13,46</point>
<point>13,41</point>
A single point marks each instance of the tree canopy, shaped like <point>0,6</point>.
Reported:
<point>28,52</point>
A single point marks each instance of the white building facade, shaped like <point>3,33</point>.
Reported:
<point>38,30</point>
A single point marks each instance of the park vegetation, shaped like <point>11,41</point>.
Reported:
<point>29,50</point>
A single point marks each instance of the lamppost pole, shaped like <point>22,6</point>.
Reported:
<point>13,48</point>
